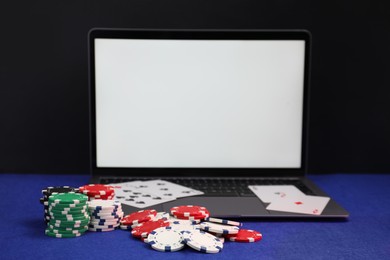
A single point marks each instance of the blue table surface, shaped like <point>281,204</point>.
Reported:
<point>365,235</point>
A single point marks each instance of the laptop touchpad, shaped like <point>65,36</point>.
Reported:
<point>223,206</point>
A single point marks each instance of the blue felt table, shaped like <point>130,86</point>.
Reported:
<point>365,235</point>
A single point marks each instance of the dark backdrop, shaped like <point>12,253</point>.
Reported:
<point>44,83</point>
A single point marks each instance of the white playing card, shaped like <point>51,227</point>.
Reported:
<point>168,189</point>
<point>301,204</point>
<point>132,196</point>
<point>269,193</point>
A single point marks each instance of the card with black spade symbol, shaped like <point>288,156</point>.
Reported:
<point>166,189</point>
<point>134,197</point>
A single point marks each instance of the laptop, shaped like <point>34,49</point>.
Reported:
<point>214,110</point>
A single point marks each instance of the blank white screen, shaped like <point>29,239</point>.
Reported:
<point>199,103</point>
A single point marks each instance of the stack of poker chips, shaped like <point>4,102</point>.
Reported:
<point>187,225</point>
<point>105,215</point>
<point>98,191</point>
<point>68,215</point>
<point>47,192</point>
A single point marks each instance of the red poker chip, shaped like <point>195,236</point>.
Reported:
<point>189,211</point>
<point>143,229</point>
<point>138,217</point>
<point>245,235</point>
<point>201,215</point>
<point>102,197</point>
<point>97,189</point>
<point>197,218</point>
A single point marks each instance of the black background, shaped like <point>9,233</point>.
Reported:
<point>44,82</point>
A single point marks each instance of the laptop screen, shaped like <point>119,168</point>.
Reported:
<point>199,103</point>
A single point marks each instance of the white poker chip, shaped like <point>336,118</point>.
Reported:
<point>219,228</point>
<point>182,225</point>
<point>100,229</point>
<point>161,215</point>
<point>125,227</point>
<point>202,241</point>
<point>184,221</point>
<point>223,221</point>
<point>166,239</point>
<point>103,204</point>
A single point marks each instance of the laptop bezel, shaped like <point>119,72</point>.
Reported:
<point>104,33</point>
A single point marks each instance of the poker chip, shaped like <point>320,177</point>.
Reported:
<point>59,235</point>
<point>103,226</point>
<point>196,212</point>
<point>139,217</point>
<point>192,218</point>
<point>104,205</point>
<point>143,229</point>
<point>202,241</point>
<point>125,227</point>
<point>223,221</point>
<point>101,229</point>
<point>100,191</point>
<point>166,239</point>
<point>67,198</point>
<point>105,215</point>
<point>161,215</point>
<point>219,228</point>
<point>245,235</point>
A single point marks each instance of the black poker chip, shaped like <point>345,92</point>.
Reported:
<point>47,192</point>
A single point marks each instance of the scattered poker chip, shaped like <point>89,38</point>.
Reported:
<point>166,239</point>
<point>190,211</point>
<point>95,190</point>
<point>223,221</point>
<point>184,221</point>
<point>192,218</point>
<point>139,217</point>
<point>202,241</point>
<point>245,235</point>
<point>143,229</point>
<point>125,227</point>
<point>219,228</point>
<point>161,215</point>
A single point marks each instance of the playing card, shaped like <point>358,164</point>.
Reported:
<point>132,196</point>
<point>301,204</point>
<point>269,193</point>
<point>167,189</point>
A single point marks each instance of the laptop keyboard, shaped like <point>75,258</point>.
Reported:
<point>221,186</point>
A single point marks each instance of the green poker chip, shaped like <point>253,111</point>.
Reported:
<point>67,213</point>
<point>68,198</point>
<point>63,231</point>
<point>70,217</point>
<point>52,234</point>
<point>65,207</point>
<point>69,223</point>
